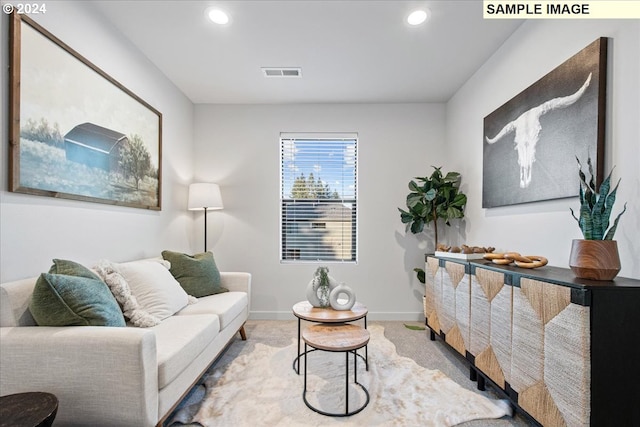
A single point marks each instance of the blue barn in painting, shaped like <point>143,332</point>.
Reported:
<point>95,146</point>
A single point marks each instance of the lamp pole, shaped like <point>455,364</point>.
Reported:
<point>204,196</point>
<point>205,228</point>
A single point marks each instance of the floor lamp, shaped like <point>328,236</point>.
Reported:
<point>204,196</point>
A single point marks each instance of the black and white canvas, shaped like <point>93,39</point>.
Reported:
<point>531,142</point>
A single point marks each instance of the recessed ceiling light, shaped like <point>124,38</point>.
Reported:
<point>218,16</point>
<point>417,17</point>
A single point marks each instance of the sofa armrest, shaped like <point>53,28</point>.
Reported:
<point>235,281</point>
<point>100,375</point>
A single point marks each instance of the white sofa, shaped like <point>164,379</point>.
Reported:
<point>117,376</point>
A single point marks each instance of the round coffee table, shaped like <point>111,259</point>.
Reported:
<point>337,337</point>
<point>303,310</point>
<point>35,409</point>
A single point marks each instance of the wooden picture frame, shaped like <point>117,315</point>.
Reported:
<point>75,132</point>
<point>531,142</point>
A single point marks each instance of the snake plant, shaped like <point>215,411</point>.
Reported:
<point>596,206</point>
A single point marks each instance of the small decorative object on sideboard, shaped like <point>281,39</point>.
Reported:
<point>462,252</point>
<point>528,261</point>
<point>596,257</point>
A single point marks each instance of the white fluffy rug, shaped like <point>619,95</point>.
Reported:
<point>261,389</point>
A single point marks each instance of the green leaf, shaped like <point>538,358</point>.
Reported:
<point>414,327</point>
<point>431,194</point>
<point>413,186</point>
<point>608,205</point>
<point>586,222</point>
<point>413,199</point>
<point>453,212</point>
<point>405,217</point>
<point>417,226</point>
<point>420,274</point>
<point>592,185</point>
<point>452,177</point>
<point>612,230</point>
<point>459,200</point>
<point>421,210</point>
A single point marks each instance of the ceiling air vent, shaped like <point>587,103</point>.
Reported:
<point>282,71</point>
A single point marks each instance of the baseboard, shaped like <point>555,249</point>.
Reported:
<point>417,316</point>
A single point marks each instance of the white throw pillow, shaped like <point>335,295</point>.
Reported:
<point>121,291</point>
<point>155,289</point>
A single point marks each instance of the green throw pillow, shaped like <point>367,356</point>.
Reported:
<point>71,268</point>
<point>197,274</point>
<point>63,300</point>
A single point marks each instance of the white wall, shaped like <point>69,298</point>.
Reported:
<point>547,228</point>
<point>237,146</point>
<point>35,229</point>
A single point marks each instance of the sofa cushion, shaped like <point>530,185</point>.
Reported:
<point>197,274</point>
<point>227,306</point>
<point>62,300</point>
<point>155,289</point>
<point>71,268</point>
<point>179,339</point>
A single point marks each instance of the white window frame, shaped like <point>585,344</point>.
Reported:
<point>284,199</point>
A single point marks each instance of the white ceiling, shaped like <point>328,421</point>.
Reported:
<point>350,51</point>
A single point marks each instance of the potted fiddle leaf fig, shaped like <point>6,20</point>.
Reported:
<point>596,257</point>
<point>432,198</point>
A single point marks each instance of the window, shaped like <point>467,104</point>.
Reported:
<point>318,197</point>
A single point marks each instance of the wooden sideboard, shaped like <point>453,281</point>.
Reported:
<point>564,350</point>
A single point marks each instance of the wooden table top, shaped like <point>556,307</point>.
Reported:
<point>304,310</point>
<point>336,337</point>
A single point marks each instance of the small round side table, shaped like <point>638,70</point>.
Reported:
<point>342,338</point>
<point>31,409</point>
<point>303,310</point>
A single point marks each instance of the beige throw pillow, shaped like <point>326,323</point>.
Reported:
<point>122,292</point>
<point>146,290</point>
<point>155,289</point>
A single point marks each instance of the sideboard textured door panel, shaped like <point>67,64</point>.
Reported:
<point>567,363</point>
<point>490,329</point>
<point>527,357</point>
<point>432,297</point>
<point>550,345</point>
<point>453,277</point>
<point>463,307</point>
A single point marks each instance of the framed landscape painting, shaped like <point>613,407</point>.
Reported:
<point>77,133</point>
<point>531,142</point>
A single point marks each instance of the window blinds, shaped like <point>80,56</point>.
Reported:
<point>318,194</point>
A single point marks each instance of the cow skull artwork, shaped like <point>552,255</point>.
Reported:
<point>527,129</point>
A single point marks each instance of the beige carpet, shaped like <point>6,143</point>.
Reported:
<point>261,389</point>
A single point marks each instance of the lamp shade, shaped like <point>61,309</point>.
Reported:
<point>204,195</point>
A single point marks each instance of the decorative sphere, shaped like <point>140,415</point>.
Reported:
<point>342,289</point>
